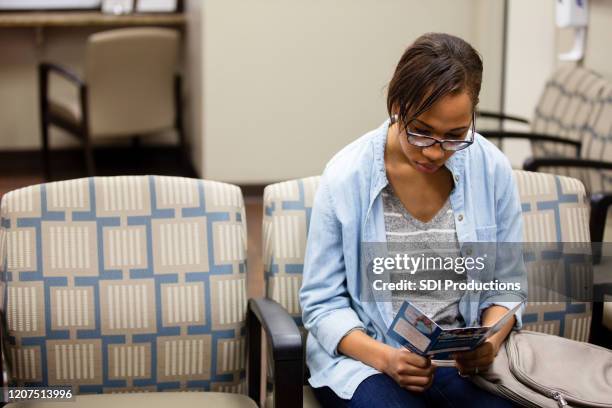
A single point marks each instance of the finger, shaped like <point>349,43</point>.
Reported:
<point>415,388</point>
<point>485,349</point>
<point>464,355</point>
<point>470,365</point>
<point>466,372</point>
<point>470,355</point>
<point>416,360</point>
<point>408,380</point>
<point>408,369</point>
<point>475,355</point>
<point>431,379</point>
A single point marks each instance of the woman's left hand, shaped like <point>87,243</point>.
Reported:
<point>477,360</point>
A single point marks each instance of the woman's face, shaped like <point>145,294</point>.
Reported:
<point>448,118</point>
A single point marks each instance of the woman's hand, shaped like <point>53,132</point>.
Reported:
<point>409,370</point>
<point>477,360</point>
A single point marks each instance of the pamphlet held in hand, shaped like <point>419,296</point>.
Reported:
<point>421,335</point>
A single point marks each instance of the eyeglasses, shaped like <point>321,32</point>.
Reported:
<point>421,140</point>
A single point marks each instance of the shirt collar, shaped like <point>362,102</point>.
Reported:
<point>456,163</point>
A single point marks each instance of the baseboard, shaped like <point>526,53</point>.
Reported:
<point>69,163</point>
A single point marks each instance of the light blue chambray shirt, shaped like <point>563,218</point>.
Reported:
<point>348,211</point>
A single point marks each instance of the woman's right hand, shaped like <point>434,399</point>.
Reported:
<point>409,370</point>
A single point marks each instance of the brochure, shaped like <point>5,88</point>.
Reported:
<point>421,335</point>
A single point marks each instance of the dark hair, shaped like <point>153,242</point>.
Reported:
<point>434,66</point>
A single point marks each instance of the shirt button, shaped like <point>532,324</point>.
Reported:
<point>456,178</point>
<point>469,251</point>
<point>460,217</point>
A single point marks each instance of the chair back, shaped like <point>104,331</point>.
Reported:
<point>555,209</point>
<point>130,74</point>
<point>597,144</point>
<point>564,109</point>
<point>287,209</point>
<point>115,284</point>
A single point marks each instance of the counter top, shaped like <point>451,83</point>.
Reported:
<point>87,19</point>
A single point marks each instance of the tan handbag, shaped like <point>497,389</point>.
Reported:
<point>540,370</point>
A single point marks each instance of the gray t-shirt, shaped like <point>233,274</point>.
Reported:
<point>436,237</point>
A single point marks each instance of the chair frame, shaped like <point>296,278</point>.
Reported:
<point>285,349</point>
<point>82,132</point>
<point>540,137</point>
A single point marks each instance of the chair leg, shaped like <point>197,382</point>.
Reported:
<point>44,121</point>
<point>135,142</point>
<point>89,160</point>
<point>597,223</point>
<point>44,132</point>
<point>184,156</point>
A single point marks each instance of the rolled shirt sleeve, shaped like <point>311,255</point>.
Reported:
<point>325,301</point>
<point>510,266</point>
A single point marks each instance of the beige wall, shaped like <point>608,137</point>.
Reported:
<point>274,87</point>
<point>534,45</point>
<point>287,83</point>
<point>599,54</point>
<point>530,61</point>
<point>193,87</point>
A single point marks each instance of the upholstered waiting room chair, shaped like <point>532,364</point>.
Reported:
<point>594,168</point>
<point>130,88</point>
<point>594,165</point>
<point>563,110</point>
<point>555,209</point>
<point>126,285</point>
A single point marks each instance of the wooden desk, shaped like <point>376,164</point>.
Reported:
<point>87,19</point>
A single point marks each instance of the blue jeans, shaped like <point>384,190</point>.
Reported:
<point>448,390</point>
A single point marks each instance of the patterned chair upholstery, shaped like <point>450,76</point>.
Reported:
<point>597,144</point>
<point>565,108</point>
<point>126,284</point>
<point>555,209</point>
<point>287,209</point>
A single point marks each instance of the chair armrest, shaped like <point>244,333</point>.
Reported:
<point>600,334</point>
<point>284,343</point>
<point>44,69</point>
<point>1,361</point>
<point>533,164</point>
<point>47,67</point>
<point>538,137</point>
<point>501,116</point>
<point>600,202</point>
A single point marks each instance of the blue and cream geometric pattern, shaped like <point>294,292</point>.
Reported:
<point>115,284</point>
<point>287,209</point>
<point>555,210</point>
